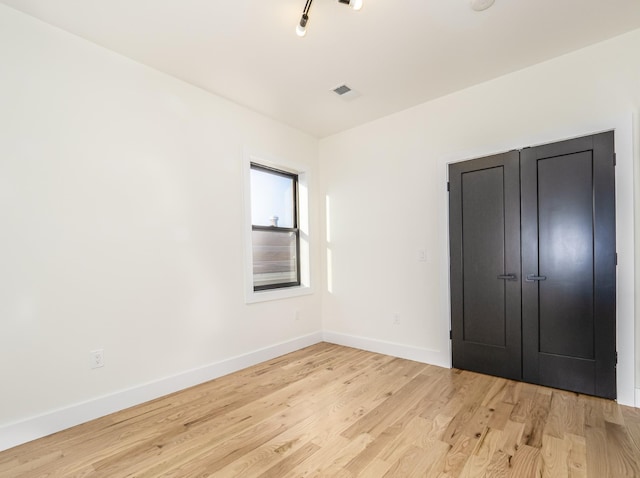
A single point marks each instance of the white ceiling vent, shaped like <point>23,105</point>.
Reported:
<point>345,92</point>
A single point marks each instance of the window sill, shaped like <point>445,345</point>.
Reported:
<point>252,297</point>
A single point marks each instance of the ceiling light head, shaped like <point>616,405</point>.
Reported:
<point>301,28</point>
<point>355,4</point>
<point>480,5</point>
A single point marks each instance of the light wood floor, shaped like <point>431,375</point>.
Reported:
<point>339,412</point>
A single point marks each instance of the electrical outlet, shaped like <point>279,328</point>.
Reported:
<point>396,318</point>
<point>97,358</point>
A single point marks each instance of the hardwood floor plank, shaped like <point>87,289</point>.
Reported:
<point>289,463</point>
<point>416,462</point>
<point>555,454</point>
<point>280,448</point>
<point>375,469</point>
<point>577,460</point>
<point>632,422</point>
<point>499,465</point>
<point>621,452</point>
<point>495,394</point>
<point>478,422</point>
<point>378,419</point>
<point>332,411</point>
<point>597,459</point>
<point>566,415</point>
<point>459,454</point>
<point>481,457</point>
<point>473,392</point>
<point>500,415</point>
<point>593,412</point>
<point>360,462</point>
<point>536,418</point>
<point>524,404</point>
<point>512,392</point>
<point>612,412</point>
<point>331,458</point>
<point>511,438</point>
<point>421,433</point>
<point>526,463</point>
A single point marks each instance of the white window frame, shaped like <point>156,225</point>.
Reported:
<point>253,296</point>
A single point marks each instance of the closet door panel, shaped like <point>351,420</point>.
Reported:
<point>565,236</point>
<point>483,243</point>
<point>568,265</point>
<point>485,262</point>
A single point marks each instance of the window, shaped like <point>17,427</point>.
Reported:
<point>275,235</point>
<point>277,246</point>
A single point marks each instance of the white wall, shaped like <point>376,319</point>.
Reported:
<point>121,227</point>
<point>384,184</point>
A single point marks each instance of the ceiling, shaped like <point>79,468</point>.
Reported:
<point>394,53</point>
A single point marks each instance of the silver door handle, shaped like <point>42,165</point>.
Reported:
<point>507,277</point>
<point>533,278</point>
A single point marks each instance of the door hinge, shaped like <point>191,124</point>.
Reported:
<point>616,258</point>
<point>616,358</point>
<point>451,335</point>
<point>615,159</point>
<point>448,186</point>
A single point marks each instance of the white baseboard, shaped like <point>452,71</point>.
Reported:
<point>17,433</point>
<point>432,357</point>
<point>637,403</point>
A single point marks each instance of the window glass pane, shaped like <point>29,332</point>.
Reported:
<point>271,199</point>
<point>274,258</point>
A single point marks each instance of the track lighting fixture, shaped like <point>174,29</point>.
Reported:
<point>301,28</point>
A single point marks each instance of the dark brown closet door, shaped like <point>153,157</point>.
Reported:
<point>568,265</point>
<point>484,229</point>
